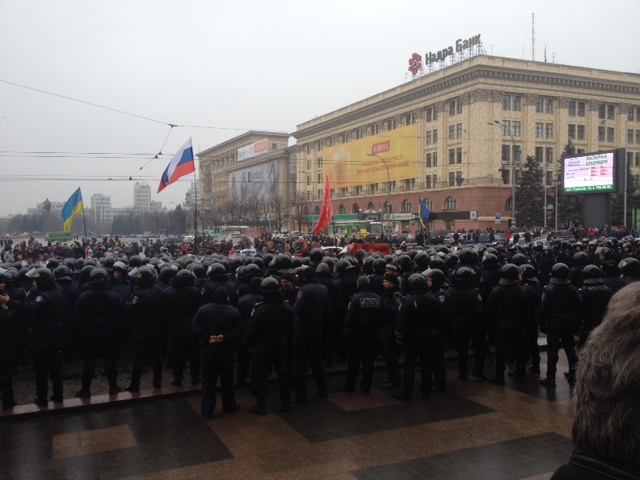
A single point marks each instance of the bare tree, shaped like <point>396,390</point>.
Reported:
<point>298,204</point>
<point>280,213</point>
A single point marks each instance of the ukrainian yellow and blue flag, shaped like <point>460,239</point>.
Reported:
<point>73,207</point>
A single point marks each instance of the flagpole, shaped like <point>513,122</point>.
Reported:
<point>195,210</point>
<point>84,221</point>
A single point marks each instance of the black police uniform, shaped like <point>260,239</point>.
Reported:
<point>391,301</point>
<point>311,312</point>
<point>246,303</point>
<point>180,304</point>
<point>217,359</point>
<point>416,328</point>
<point>268,336</point>
<point>144,310</point>
<point>558,312</point>
<point>361,326</point>
<point>100,316</point>
<point>594,299</point>
<point>6,360</point>
<point>506,308</point>
<point>533,292</point>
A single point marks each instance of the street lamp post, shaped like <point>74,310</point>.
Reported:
<point>388,187</point>
<point>497,123</point>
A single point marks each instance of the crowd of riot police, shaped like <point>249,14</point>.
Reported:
<point>236,320</point>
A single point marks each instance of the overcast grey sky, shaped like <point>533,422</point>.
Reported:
<point>233,66</point>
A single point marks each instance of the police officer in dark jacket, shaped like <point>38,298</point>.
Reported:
<point>246,303</point>
<point>416,329</point>
<point>311,311</point>
<point>325,277</point>
<point>391,301</point>
<point>180,303</point>
<point>100,316</point>
<point>218,327</point>
<point>46,317</point>
<point>438,287</point>
<point>268,336</point>
<point>506,308</point>
<point>218,278</point>
<point>6,360</point>
<point>594,299</point>
<point>69,288</point>
<point>533,292</point>
<point>558,313</point>
<point>361,326</point>
<point>144,310</point>
<point>467,317</point>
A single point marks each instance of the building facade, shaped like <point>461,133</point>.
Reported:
<point>456,138</point>
<point>101,212</point>
<point>141,198</point>
<point>240,177</point>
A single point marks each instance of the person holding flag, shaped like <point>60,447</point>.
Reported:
<point>326,215</point>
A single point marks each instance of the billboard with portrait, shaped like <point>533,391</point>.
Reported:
<point>369,160</point>
<point>258,182</point>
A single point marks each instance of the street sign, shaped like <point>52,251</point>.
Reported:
<point>498,218</point>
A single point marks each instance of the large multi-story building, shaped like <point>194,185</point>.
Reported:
<point>101,211</point>
<point>457,137</point>
<point>141,198</point>
<point>246,170</point>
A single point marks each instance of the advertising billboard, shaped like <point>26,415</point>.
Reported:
<point>254,183</point>
<point>395,152</point>
<point>249,151</point>
<point>592,173</point>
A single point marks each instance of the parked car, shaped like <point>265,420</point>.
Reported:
<point>437,236</point>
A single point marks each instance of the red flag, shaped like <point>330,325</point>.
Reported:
<point>327,210</point>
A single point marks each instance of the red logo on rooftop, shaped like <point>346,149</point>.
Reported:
<point>415,63</point>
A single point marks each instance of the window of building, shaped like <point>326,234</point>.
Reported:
<point>610,134</point>
<point>517,153</point>
<point>429,137</point>
<point>429,114</point>
<point>320,162</point>
<point>391,124</point>
<point>539,130</point>
<point>548,128</point>
<point>452,156</point>
<point>630,114</point>
<point>629,136</point>
<point>342,209</point>
<point>506,174</point>
<point>459,130</point>
<point>549,155</point>
<point>516,175</point>
<point>358,134</point>
<point>308,179</point>
<point>373,188</point>
<point>517,103</point>
<point>506,128</point>
<point>358,190</point>
<point>581,109</point>
<point>459,155</point>
<point>452,179</point>
<point>516,128</point>
<point>373,129</point>
<point>388,207</point>
<point>435,181</point>
<point>506,102</point>
<point>452,108</point>
<point>611,112</point>
<point>405,207</point>
<point>435,136</point>
<point>548,104</point>
<point>506,150</point>
<point>601,132</point>
<point>452,132</point>
<point>539,151</point>
<point>435,159</point>
<point>309,164</point>
<point>428,181</point>
<point>459,179</point>
<point>450,204</point>
<point>580,151</point>
<point>581,134</point>
<point>540,105</point>
<point>572,108</point>
<point>549,179</point>
<point>409,184</point>
<point>409,119</point>
<point>428,160</point>
<point>637,161</point>
<point>459,107</point>
<point>428,204</point>
<point>572,131</point>
<point>602,108</point>
<point>320,180</point>
<point>343,192</point>
<point>638,137</point>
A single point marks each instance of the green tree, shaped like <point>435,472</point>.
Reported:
<point>570,207</point>
<point>530,195</point>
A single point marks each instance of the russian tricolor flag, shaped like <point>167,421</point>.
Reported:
<point>181,164</point>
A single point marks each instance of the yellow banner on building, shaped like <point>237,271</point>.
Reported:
<point>395,157</point>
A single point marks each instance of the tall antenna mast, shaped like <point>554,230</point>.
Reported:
<point>533,37</point>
